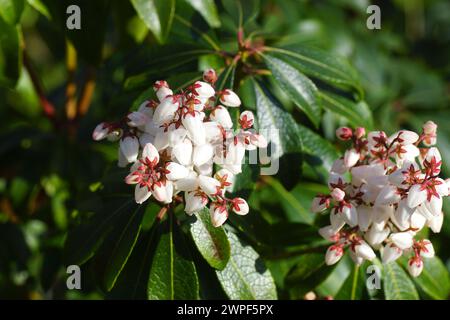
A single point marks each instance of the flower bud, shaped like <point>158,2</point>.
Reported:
<point>204,89</point>
<point>176,171</point>
<point>351,157</point>
<point>240,206</point>
<point>222,116</point>
<point>328,233</point>
<point>130,148</point>
<point>360,132</point>
<point>416,196</point>
<point>337,194</point>
<point>334,254</point>
<point>364,251</point>
<point>344,133</point>
<point>165,111</point>
<point>141,193</point>
<point>415,266</point>
<point>194,126</point>
<point>182,152</point>
<point>100,132</point>
<point>319,204</point>
<point>403,240</point>
<point>195,202</point>
<point>202,154</point>
<point>230,99</point>
<point>391,253</point>
<point>149,152</point>
<point>246,119</point>
<point>350,215</point>
<point>435,223</point>
<point>219,214</point>
<point>210,76</point>
<point>208,185</point>
<point>429,128</point>
<point>426,248</point>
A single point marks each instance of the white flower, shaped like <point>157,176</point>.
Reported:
<point>165,111</point>
<point>141,193</point>
<point>230,99</point>
<point>416,196</point>
<point>222,116</point>
<point>240,206</point>
<point>364,251</point>
<point>333,255</point>
<point>319,204</point>
<point>391,253</point>
<point>204,89</point>
<point>176,171</point>
<point>202,154</point>
<point>337,194</point>
<point>194,125</point>
<point>351,157</point>
<point>208,184</point>
<point>129,146</point>
<point>219,215</point>
<point>415,266</point>
<point>100,132</point>
<point>403,240</point>
<point>195,201</point>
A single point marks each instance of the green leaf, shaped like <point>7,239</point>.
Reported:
<point>41,7</point>
<point>172,275</point>
<point>84,240</point>
<point>396,283</point>
<point>321,65</point>
<point>10,54</point>
<point>122,246</point>
<point>294,209</point>
<point>278,125</point>
<point>357,114</point>
<point>212,242</point>
<point>314,145</point>
<point>309,271</point>
<point>299,88</point>
<point>11,10</point>
<point>354,287</point>
<point>246,277</point>
<point>208,10</point>
<point>240,11</point>
<point>132,282</point>
<point>433,282</point>
<point>157,16</point>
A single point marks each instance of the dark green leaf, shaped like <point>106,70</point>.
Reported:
<point>321,65</point>
<point>299,88</point>
<point>122,246</point>
<point>396,283</point>
<point>246,276</point>
<point>212,242</point>
<point>354,287</point>
<point>357,114</point>
<point>278,125</point>
<point>208,10</point>
<point>241,12</point>
<point>172,275</point>
<point>10,55</point>
<point>309,272</point>
<point>157,16</point>
<point>434,281</point>
<point>11,10</point>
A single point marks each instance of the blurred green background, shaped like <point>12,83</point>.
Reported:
<point>50,168</point>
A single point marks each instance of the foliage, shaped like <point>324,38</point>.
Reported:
<point>304,67</point>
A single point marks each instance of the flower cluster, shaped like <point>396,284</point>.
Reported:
<point>175,142</point>
<point>383,191</point>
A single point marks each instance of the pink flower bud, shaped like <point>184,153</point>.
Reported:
<point>337,194</point>
<point>210,76</point>
<point>360,132</point>
<point>344,133</point>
